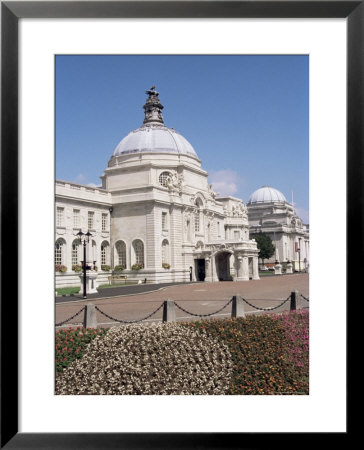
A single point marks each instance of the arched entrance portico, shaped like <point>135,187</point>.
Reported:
<point>222,264</point>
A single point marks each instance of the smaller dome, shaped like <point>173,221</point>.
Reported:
<point>266,194</point>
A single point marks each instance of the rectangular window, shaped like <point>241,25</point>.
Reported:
<point>75,259</point>
<point>104,222</point>
<point>90,220</point>
<point>236,234</point>
<point>76,218</point>
<point>164,221</point>
<point>60,217</point>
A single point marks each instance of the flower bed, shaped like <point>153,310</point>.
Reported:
<point>261,354</point>
<point>71,344</point>
<point>157,359</point>
<point>269,352</point>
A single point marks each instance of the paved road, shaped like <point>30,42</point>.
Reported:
<point>197,298</point>
<point>117,291</point>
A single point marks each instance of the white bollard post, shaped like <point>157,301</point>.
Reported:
<point>237,309</point>
<point>90,320</point>
<point>169,312</point>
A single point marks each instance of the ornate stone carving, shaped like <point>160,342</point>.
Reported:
<point>239,210</point>
<point>211,192</point>
<point>175,182</point>
<point>153,107</point>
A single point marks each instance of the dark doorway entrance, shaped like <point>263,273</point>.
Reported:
<point>223,266</point>
<point>200,270</point>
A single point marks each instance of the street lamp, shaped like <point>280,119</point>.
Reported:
<point>85,239</point>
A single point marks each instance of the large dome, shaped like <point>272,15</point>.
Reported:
<point>153,135</point>
<point>266,194</point>
<point>154,138</point>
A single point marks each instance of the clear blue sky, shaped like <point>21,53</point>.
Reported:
<point>246,116</point>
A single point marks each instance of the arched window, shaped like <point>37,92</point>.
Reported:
<point>59,252</point>
<point>138,247</point>
<point>120,259</point>
<point>76,248</point>
<point>163,178</point>
<point>105,253</point>
<point>165,251</point>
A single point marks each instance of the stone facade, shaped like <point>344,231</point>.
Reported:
<point>270,213</point>
<point>155,211</point>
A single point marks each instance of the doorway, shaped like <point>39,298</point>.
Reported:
<point>200,269</point>
<point>223,266</point>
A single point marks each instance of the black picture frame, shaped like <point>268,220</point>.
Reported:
<point>11,12</point>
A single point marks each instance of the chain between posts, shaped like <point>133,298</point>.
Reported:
<point>70,318</point>
<point>128,321</point>
<point>179,307</point>
<point>268,309</point>
<point>203,315</point>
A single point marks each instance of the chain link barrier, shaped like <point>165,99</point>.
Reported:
<point>128,321</point>
<point>180,308</point>
<point>202,315</point>
<point>70,318</point>
<point>267,309</point>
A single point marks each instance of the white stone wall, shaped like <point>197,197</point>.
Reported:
<point>70,197</point>
<point>138,200</point>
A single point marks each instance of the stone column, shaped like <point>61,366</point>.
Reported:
<point>213,269</point>
<point>245,269</point>
<point>232,267</point>
<point>208,270</point>
<point>255,268</point>
<point>67,255</point>
<point>239,265</point>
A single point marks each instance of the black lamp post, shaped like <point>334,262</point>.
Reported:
<point>85,239</point>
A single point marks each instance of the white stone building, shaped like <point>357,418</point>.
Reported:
<point>156,212</point>
<point>270,213</point>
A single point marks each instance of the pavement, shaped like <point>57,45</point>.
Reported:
<point>118,291</point>
<point>133,303</point>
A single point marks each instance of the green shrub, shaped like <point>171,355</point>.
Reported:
<point>76,268</point>
<point>137,266</point>
<point>61,268</point>
<point>105,268</point>
<point>119,268</point>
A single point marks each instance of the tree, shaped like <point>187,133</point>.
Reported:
<point>265,245</point>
